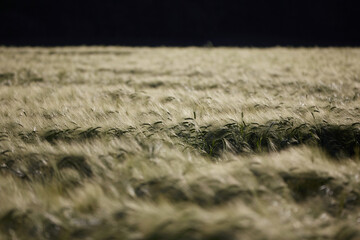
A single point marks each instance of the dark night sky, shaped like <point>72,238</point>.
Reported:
<point>180,22</point>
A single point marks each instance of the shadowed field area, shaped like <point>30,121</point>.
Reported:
<point>179,143</point>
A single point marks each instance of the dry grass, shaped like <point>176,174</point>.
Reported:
<point>179,143</point>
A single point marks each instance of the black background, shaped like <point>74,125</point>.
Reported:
<point>180,22</point>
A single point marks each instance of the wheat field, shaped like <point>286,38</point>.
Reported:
<point>179,143</point>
